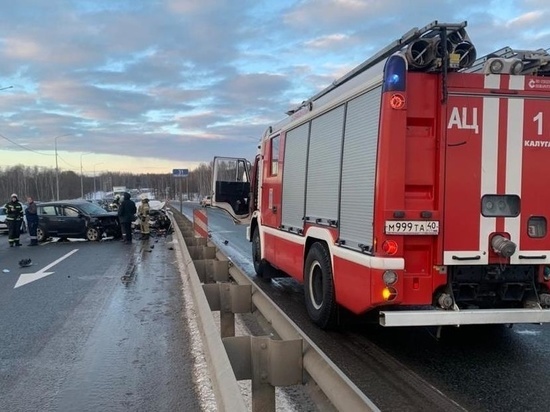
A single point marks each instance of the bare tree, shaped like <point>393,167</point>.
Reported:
<point>40,183</point>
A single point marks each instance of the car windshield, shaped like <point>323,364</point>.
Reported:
<point>92,209</point>
<point>2,211</point>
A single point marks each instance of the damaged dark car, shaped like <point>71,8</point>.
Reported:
<point>76,219</point>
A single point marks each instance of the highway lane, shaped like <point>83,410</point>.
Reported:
<point>83,338</point>
<point>487,368</point>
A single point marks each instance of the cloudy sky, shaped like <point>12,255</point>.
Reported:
<point>152,85</point>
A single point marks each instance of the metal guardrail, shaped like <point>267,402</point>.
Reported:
<point>225,386</point>
<point>268,362</point>
<point>342,393</point>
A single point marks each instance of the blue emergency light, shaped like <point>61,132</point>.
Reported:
<point>395,73</point>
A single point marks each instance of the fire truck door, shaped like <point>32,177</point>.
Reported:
<point>496,179</point>
<point>231,186</point>
<point>464,179</point>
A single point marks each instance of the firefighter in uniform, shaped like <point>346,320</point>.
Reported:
<point>14,217</point>
<point>143,213</point>
<point>116,203</point>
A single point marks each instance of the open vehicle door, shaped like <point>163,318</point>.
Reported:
<point>231,187</point>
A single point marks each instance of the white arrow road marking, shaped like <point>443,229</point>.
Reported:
<point>31,277</point>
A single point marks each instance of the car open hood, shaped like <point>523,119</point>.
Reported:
<point>156,204</point>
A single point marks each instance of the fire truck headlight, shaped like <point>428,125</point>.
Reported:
<point>502,246</point>
<point>389,277</point>
<point>496,66</point>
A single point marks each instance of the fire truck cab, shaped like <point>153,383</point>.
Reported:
<point>415,186</point>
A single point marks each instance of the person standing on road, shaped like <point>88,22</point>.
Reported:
<point>143,213</point>
<point>14,217</point>
<point>126,213</point>
<point>32,220</point>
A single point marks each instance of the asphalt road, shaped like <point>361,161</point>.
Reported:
<point>486,368</point>
<point>103,331</point>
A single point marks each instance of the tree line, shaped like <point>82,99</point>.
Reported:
<point>41,183</point>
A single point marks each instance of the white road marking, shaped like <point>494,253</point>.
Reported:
<point>31,277</point>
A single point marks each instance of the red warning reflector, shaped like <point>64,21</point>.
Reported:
<point>390,247</point>
<point>397,101</point>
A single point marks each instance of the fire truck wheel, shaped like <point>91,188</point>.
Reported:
<point>259,264</point>
<point>319,287</point>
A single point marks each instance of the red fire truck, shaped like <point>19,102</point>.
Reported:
<point>414,186</point>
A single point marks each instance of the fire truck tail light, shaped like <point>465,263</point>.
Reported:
<point>390,247</point>
<point>389,277</point>
<point>389,293</point>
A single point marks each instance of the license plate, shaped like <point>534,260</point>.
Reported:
<point>412,227</point>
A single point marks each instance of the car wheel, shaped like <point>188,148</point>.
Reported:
<point>41,234</point>
<point>93,234</point>
<point>259,263</point>
<point>319,287</point>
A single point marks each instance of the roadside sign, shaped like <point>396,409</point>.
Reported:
<point>180,172</point>
<point>119,189</point>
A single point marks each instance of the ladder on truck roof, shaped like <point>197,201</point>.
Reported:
<point>431,30</point>
<point>534,62</point>
<point>505,53</point>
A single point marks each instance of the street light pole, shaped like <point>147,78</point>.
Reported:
<point>82,176</point>
<point>56,164</point>
<point>94,178</point>
<point>56,173</point>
